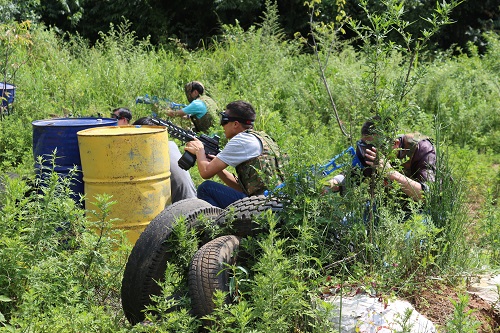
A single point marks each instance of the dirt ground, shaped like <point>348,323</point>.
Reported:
<point>435,304</point>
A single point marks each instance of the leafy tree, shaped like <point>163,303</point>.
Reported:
<point>64,14</point>
<point>472,18</point>
<point>19,10</point>
<point>180,20</point>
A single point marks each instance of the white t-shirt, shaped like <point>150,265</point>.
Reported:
<point>241,148</point>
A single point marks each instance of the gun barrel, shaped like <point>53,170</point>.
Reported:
<point>146,99</point>
<point>177,106</point>
<point>175,131</point>
<point>211,144</point>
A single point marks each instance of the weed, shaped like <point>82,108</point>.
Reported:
<point>461,320</point>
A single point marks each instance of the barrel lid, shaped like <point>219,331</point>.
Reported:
<point>121,130</point>
<point>4,85</point>
<point>67,122</point>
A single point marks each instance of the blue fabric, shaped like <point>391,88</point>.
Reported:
<point>217,194</point>
<point>196,108</point>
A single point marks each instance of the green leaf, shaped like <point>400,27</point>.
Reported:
<point>4,298</point>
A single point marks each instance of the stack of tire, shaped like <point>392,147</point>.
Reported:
<point>148,260</point>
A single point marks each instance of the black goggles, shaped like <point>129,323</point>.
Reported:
<point>224,119</point>
<point>115,116</point>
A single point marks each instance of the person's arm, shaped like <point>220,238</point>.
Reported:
<point>207,168</point>
<point>230,180</point>
<point>410,187</point>
<point>196,109</point>
<point>176,113</point>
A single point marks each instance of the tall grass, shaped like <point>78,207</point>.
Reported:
<point>464,91</point>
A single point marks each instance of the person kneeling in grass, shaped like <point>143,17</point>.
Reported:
<point>254,155</point>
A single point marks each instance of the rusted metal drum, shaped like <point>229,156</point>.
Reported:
<point>132,164</point>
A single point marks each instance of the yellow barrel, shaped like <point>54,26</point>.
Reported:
<point>131,163</point>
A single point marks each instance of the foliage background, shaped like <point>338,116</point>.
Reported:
<point>180,20</point>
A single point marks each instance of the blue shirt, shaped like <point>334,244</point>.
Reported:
<point>196,108</point>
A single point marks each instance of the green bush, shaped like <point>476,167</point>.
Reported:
<point>463,92</point>
<point>53,258</point>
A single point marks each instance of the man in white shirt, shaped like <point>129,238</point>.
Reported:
<point>254,155</point>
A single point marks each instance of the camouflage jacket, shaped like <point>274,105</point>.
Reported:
<point>207,121</point>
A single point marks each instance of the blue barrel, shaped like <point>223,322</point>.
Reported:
<point>60,134</point>
<point>7,93</point>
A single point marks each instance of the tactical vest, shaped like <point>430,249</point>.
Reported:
<point>204,123</point>
<point>255,174</point>
<point>409,143</point>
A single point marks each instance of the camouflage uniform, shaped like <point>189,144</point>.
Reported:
<point>255,174</point>
<point>418,157</point>
<point>207,121</point>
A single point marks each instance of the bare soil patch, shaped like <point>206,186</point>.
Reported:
<point>435,304</point>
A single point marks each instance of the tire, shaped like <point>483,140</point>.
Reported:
<point>241,214</point>
<point>208,273</point>
<point>149,256</point>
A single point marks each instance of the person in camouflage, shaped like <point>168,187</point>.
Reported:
<point>202,110</point>
<point>418,168</point>
<point>255,156</point>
